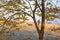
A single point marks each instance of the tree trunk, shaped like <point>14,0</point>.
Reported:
<point>36,24</point>
<point>41,35</point>
<point>40,32</point>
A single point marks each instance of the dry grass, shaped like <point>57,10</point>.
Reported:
<point>30,27</point>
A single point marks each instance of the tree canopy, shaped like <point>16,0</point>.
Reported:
<point>22,8</point>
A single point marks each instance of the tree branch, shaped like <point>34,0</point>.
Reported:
<point>29,4</point>
<point>27,14</point>
<point>24,12</point>
<point>6,21</point>
<point>34,19</point>
<point>39,8</point>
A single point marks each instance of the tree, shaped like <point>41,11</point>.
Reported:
<point>18,8</point>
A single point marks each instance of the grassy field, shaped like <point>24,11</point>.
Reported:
<point>27,31</point>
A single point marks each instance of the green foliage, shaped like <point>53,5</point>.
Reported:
<point>25,5</point>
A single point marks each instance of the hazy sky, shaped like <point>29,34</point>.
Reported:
<point>58,3</point>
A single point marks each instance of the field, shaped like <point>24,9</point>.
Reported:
<point>27,31</point>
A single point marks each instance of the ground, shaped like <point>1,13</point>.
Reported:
<point>28,32</point>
